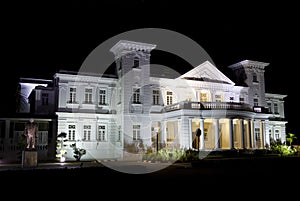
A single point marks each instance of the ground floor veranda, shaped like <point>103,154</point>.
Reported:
<point>211,134</point>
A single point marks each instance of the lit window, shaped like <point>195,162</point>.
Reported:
<point>257,134</point>
<point>86,132</point>
<point>71,132</point>
<point>88,96</point>
<point>203,97</point>
<point>136,96</point>
<point>169,98</point>
<point>155,97</point>
<point>72,95</point>
<point>218,98</point>
<point>136,131</point>
<point>102,97</point>
<point>102,133</point>
<point>205,134</point>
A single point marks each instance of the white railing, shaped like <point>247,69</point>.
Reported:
<point>208,106</point>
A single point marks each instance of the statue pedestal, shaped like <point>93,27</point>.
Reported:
<point>29,158</point>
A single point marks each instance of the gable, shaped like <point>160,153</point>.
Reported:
<point>206,72</point>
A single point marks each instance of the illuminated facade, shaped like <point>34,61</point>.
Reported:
<point>106,114</point>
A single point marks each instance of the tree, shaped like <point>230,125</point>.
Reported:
<point>78,152</point>
<point>61,146</point>
<point>290,138</point>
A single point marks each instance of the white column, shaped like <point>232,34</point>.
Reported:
<point>272,132</point>
<point>242,133</point>
<point>163,139</point>
<point>231,142</point>
<point>253,134</point>
<point>262,133</point>
<point>202,140</point>
<point>267,134</point>
<point>190,134</point>
<point>217,135</point>
<point>185,132</point>
<point>249,133</point>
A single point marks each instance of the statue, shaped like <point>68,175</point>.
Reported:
<point>31,132</point>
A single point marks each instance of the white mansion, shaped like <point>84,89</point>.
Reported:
<point>104,114</point>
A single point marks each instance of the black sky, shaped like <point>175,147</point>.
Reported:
<point>40,38</point>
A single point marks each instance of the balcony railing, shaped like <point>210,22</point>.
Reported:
<point>213,106</point>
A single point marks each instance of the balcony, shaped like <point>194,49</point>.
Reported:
<point>213,106</point>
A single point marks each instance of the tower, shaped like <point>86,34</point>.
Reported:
<point>133,90</point>
<point>251,74</point>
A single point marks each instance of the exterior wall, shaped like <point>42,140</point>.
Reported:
<point>81,84</point>
<point>96,147</point>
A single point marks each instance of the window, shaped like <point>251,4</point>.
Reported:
<point>72,93</point>
<point>270,135</point>
<point>136,96</point>
<point>71,132</point>
<point>155,97</point>
<point>269,107</point>
<point>136,62</point>
<point>119,134</point>
<point>87,132</point>
<point>203,97</point>
<point>45,99</point>
<point>102,133</point>
<point>242,99</point>
<point>88,96</point>
<point>277,135</point>
<point>276,108</point>
<point>257,134</point>
<point>205,134</point>
<point>136,131</point>
<point>169,97</point>
<point>218,98</point>
<point>102,97</point>
<point>254,78</point>
<point>231,98</point>
<point>255,102</point>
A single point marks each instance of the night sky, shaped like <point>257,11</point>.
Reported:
<point>41,38</point>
